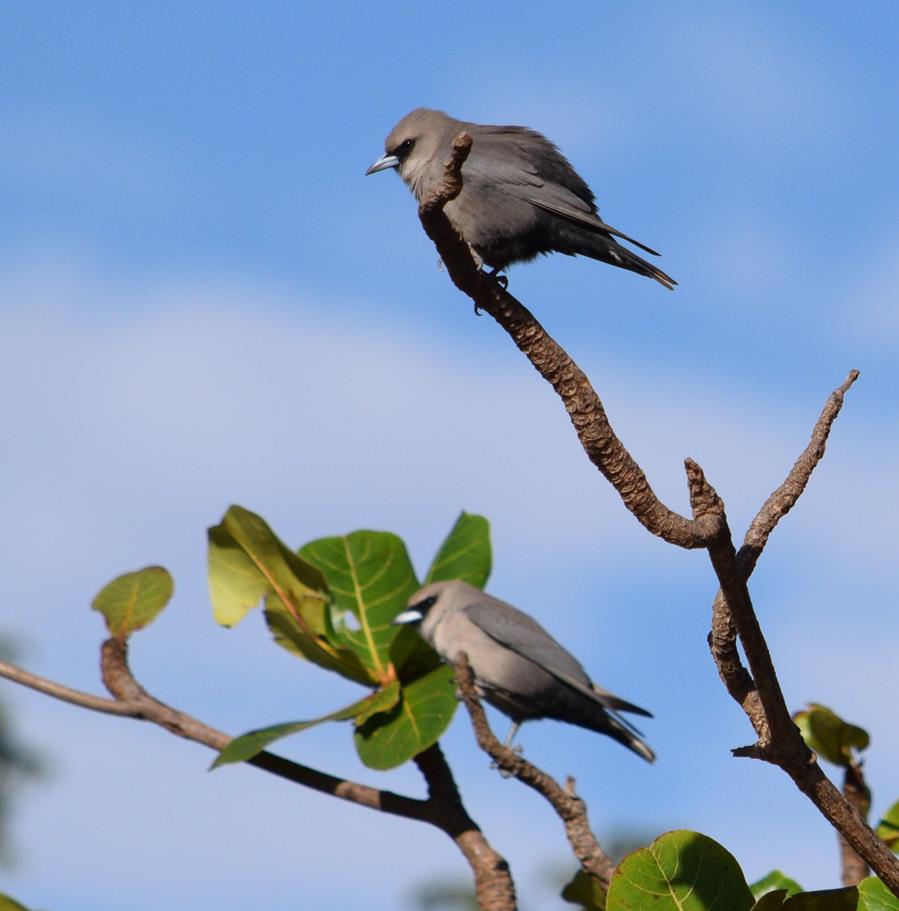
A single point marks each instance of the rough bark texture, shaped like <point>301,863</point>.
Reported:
<point>570,808</point>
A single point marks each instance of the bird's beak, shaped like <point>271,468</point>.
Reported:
<point>407,616</point>
<point>386,161</point>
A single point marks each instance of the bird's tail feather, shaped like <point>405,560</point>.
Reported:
<point>611,701</point>
<point>604,248</point>
<point>621,732</point>
<point>629,260</point>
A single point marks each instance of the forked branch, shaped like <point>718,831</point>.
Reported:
<point>757,689</point>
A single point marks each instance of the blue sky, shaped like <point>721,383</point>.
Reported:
<point>202,301</point>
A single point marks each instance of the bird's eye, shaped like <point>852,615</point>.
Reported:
<point>425,605</point>
<point>404,148</point>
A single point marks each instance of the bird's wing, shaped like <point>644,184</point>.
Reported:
<point>527,165</point>
<point>522,634</point>
<point>560,201</point>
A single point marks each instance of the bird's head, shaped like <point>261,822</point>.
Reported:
<point>417,147</point>
<point>421,605</point>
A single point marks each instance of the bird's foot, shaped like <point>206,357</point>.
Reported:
<point>517,749</point>
<point>499,278</point>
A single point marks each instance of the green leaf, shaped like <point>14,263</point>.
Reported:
<point>248,745</point>
<point>235,584</point>
<point>773,881</point>
<point>465,554</point>
<point>873,895</point>
<point>425,708</point>
<point>771,901</point>
<point>679,871</point>
<point>371,578</point>
<point>888,827</point>
<point>830,736</point>
<point>585,891</point>
<point>247,561</point>
<point>133,600</point>
<point>824,900</point>
<point>10,904</point>
<point>287,633</point>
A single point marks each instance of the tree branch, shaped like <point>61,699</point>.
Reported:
<point>854,868</point>
<point>443,808</point>
<point>583,405</point>
<point>569,807</point>
<point>756,690</point>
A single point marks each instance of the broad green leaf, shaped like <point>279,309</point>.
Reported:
<point>888,827</point>
<point>287,633</point>
<point>370,578</point>
<point>423,713</point>
<point>235,584</point>
<point>133,600</point>
<point>830,736</point>
<point>465,554</point>
<point>247,560</point>
<point>679,871</point>
<point>824,900</point>
<point>10,904</point>
<point>254,742</point>
<point>873,895</point>
<point>771,901</point>
<point>773,881</point>
<point>585,891</point>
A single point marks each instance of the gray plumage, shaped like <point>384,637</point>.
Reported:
<point>520,196</point>
<point>518,666</point>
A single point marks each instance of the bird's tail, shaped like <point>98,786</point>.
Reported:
<point>627,259</point>
<point>599,245</point>
<point>618,729</point>
<point>608,720</point>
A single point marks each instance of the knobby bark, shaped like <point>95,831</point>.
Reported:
<point>569,807</point>
<point>756,689</point>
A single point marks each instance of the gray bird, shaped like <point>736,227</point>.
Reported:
<point>518,666</point>
<point>520,196</point>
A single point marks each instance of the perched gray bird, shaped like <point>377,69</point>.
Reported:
<point>520,196</point>
<point>518,666</point>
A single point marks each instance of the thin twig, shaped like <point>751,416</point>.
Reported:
<point>723,635</point>
<point>569,807</point>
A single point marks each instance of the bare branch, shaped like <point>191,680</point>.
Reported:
<point>494,887</point>
<point>784,498</point>
<point>723,635</point>
<point>583,405</point>
<point>758,692</point>
<point>64,693</point>
<point>570,808</point>
<point>443,808</point>
<point>854,868</point>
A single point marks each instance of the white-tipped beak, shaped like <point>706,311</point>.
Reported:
<point>386,161</point>
<point>407,616</point>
